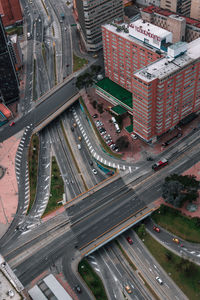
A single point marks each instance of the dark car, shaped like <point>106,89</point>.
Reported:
<point>78,289</point>
<point>72,128</point>
<point>12,124</point>
<point>91,163</point>
<point>95,116</point>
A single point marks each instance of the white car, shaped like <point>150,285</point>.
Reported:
<point>94,171</point>
<point>159,280</point>
<point>79,147</point>
<point>134,137</point>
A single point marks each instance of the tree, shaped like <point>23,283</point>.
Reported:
<point>122,142</point>
<point>141,230</point>
<point>178,189</point>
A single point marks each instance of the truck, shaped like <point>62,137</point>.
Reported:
<point>160,164</point>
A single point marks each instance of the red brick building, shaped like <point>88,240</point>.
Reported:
<point>164,78</point>
<point>10,11</point>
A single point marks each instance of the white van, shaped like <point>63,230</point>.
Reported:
<point>113,120</point>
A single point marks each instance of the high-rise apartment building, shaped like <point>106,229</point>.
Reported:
<point>129,48</point>
<point>9,83</point>
<point>11,13</point>
<point>94,13</point>
<point>195,9</point>
<point>167,91</point>
<point>178,6</point>
<point>162,78</point>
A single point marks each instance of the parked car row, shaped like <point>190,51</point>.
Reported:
<point>106,136</point>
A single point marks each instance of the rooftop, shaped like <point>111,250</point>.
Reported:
<point>143,33</point>
<point>116,91</point>
<point>164,67</point>
<point>154,9</point>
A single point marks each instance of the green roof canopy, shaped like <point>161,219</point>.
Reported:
<point>129,128</point>
<point>115,90</point>
<point>119,110</point>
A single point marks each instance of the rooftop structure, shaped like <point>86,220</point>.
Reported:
<point>168,65</point>
<point>11,12</point>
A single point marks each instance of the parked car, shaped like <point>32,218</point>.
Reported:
<point>109,141</point>
<point>95,116</point>
<point>157,229</point>
<point>91,163</point>
<point>79,147</point>
<point>175,240</point>
<point>130,241</point>
<point>72,128</point>
<point>80,138</point>
<point>75,124</point>
<point>134,137</point>
<point>12,124</point>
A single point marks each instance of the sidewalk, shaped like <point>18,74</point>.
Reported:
<point>8,183</point>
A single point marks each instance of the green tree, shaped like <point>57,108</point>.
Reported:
<point>141,230</point>
<point>177,189</point>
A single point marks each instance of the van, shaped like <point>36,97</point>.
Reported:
<point>113,120</point>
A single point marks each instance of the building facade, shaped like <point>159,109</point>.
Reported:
<point>195,10</point>
<point>11,12</point>
<point>127,50</point>
<point>148,2</point>
<point>164,78</point>
<point>183,28</point>
<point>167,91</point>
<point>177,6</point>
<point>94,13</point>
<point>9,83</point>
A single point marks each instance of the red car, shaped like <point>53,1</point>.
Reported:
<point>129,240</point>
<point>12,123</point>
<point>156,228</point>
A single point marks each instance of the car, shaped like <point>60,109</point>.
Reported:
<point>79,147</point>
<point>130,241</point>
<point>91,163</point>
<point>112,146</point>
<point>95,116</point>
<point>103,132</point>
<point>116,149</point>
<point>12,124</point>
<point>157,229</point>
<point>134,137</point>
<point>80,138</point>
<point>94,171</point>
<point>78,289</point>
<point>95,55</point>
<point>74,124</point>
<point>72,128</point>
<point>110,143</point>
<point>175,240</point>
<point>159,279</point>
<point>65,28</point>
<point>149,158</point>
<point>128,289</point>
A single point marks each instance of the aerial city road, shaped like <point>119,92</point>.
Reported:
<point>99,149</point>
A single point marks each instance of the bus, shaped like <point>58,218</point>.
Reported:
<point>160,164</point>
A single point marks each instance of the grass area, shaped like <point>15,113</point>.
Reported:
<point>73,157</point>
<point>57,188</point>
<point>15,30</point>
<point>54,63</point>
<point>33,154</point>
<point>45,7</point>
<point>120,94</point>
<point>44,54</point>
<point>92,280</point>
<point>34,80</point>
<point>78,62</point>
<point>184,273</point>
<point>172,220</point>
<point>125,255</point>
<point>105,146</point>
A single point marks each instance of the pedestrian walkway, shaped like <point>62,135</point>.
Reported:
<point>8,183</point>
